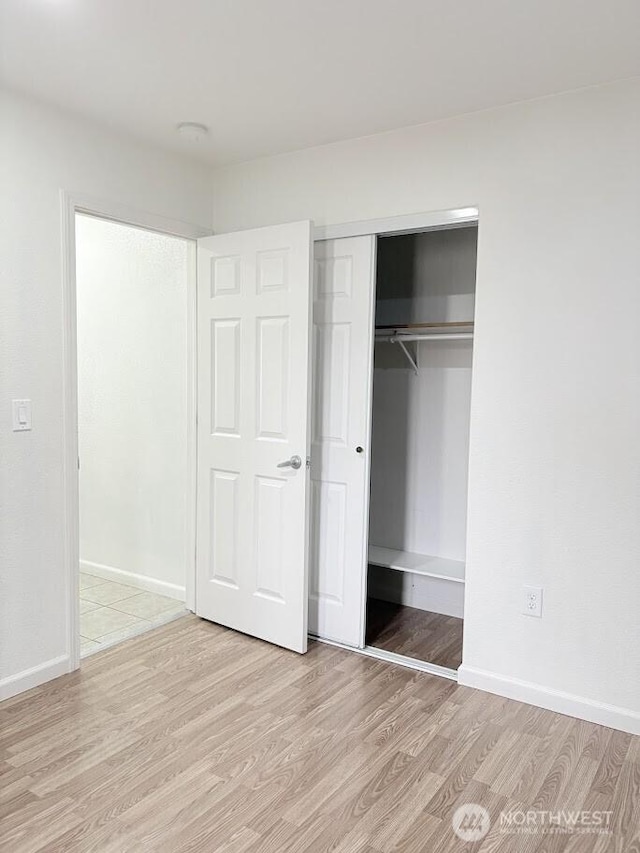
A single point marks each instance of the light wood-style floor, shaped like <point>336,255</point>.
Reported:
<point>196,738</point>
<point>417,633</point>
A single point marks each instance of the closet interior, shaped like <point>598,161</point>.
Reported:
<point>424,320</point>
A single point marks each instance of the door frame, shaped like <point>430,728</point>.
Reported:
<point>70,205</point>
<point>412,223</point>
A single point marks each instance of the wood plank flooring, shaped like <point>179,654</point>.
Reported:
<point>195,738</point>
<point>417,633</point>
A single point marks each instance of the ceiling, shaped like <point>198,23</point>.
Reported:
<point>269,76</point>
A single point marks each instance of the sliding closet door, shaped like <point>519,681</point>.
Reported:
<point>344,296</point>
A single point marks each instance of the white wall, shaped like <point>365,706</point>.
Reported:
<point>41,152</point>
<point>132,301</point>
<point>555,455</point>
<point>427,277</point>
<point>420,452</point>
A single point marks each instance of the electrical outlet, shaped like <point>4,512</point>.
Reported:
<point>532,601</point>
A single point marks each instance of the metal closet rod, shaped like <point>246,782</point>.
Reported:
<point>400,337</point>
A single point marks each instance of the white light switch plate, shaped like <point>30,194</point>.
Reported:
<point>21,415</point>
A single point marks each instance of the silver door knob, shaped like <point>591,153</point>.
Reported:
<point>295,462</point>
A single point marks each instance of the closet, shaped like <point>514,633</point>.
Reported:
<point>424,320</point>
<point>393,324</point>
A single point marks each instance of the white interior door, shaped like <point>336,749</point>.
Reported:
<point>344,296</point>
<point>254,295</point>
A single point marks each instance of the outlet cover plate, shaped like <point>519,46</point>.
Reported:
<point>532,601</point>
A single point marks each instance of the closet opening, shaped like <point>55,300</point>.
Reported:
<point>424,320</point>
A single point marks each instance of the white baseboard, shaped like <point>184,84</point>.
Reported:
<point>110,573</point>
<point>34,677</point>
<point>553,700</point>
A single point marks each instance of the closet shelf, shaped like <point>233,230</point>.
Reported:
<point>425,332</point>
<point>419,564</point>
<point>449,326</point>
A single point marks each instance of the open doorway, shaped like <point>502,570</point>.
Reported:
<point>132,301</point>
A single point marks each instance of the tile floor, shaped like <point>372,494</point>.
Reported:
<point>110,612</point>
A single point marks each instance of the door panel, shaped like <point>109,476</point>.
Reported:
<point>254,299</point>
<point>225,377</point>
<point>344,296</point>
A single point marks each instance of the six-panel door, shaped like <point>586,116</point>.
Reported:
<point>254,295</point>
<point>344,296</point>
